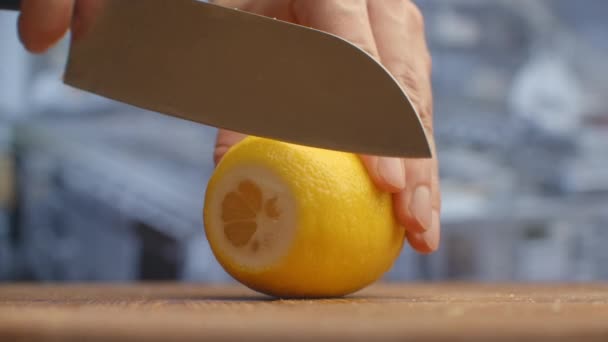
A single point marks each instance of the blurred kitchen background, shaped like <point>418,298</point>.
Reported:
<point>91,190</point>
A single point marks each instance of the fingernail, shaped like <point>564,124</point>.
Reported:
<point>392,172</point>
<point>428,241</point>
<point>432,239</point>
<point>420,207</point>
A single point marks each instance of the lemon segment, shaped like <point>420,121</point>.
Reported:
<point>243,231</point>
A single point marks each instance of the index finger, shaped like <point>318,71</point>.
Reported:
<point>44,22</point>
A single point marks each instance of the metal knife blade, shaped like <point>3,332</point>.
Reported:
<point>247,73</point>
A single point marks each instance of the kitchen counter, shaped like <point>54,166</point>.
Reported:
<point>418,312</point>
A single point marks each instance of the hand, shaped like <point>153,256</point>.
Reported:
<point>42,23</point>
<point>392,31</point>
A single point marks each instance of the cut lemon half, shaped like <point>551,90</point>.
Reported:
<point>295,221</point>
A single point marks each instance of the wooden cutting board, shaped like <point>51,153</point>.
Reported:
<point>416,312</point>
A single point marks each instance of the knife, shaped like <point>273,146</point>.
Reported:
<point>244,72</point>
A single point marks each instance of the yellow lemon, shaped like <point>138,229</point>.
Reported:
<point>295,221</point>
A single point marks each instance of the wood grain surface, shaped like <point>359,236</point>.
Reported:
<point>416,312</point>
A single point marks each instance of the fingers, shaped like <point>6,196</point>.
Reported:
<point>418,206</point>
<point>387,173</point>
<point>398,29</point>
<point>224,141</point>
<point>44,22</point>
<point>426,242</point>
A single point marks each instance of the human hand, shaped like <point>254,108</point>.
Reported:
<point>392,31</point>
<point>42,23</point>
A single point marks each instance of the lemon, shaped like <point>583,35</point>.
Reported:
<point>294,221</point>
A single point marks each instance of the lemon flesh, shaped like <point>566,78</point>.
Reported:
<point>295,221</point>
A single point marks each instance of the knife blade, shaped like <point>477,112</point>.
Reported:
<point>247,73</point>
